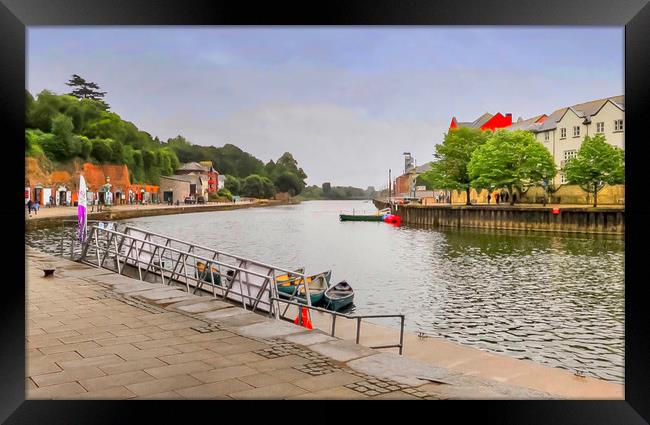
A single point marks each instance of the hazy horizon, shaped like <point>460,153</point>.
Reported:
<point>345,101</point>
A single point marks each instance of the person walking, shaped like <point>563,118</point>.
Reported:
<point>29,207</point>
<point>488,198</point>
<point>35,207</point>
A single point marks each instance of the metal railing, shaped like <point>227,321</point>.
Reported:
<point>358,319</point>
<point>172,261</point>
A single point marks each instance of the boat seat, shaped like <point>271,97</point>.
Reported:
<point>339,292</point>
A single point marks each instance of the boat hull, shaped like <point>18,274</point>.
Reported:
<point>337,304</point>
<point>349,217</point>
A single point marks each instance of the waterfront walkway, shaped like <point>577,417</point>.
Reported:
<point>62,211</point>
<point>92,334</point>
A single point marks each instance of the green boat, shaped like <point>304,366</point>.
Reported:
<point>364,217</point>
<point>287,283</point>
<point>350,217</point>
<point>339,296</point>
<point>317,288</point>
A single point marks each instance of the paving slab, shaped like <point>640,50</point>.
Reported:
<point>113,279</point>
<point>225,312</point>
<point>164,302</point>
<point>401,369</point>
<point>342,351</point>
<point>135,287</point>
<point>201,307</point>
<point>309,338</point>
<point>269,329</point>
<point>157,294</point>
<point>243,319</point>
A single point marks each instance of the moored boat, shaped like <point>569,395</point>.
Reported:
<point>287,283</point>
<point>317,288</point>
<point>378,216</point>
<point>338,296</point>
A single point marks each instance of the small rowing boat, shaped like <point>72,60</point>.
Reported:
<point>378,216</point>
<point>338,296</point>
<point>317,288</point>
<point>288,283</point>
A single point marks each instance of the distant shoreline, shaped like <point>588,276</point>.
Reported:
<point>121,213</point>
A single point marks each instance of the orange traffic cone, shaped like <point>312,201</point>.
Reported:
<point>305,319</point>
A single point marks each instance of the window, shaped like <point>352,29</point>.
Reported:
<point>568,154</point>
<point>563,133</point>
<point>618,125</point>
<point>563,179</point>
<point>547,136</point>
<point>571,153</point>
<point>576,131</point>
<point>600,127</point>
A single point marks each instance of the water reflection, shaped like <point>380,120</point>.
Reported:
<point>555,299</point>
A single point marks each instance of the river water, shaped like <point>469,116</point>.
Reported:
<point>554,299</point>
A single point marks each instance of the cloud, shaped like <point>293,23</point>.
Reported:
<point>332,143</point>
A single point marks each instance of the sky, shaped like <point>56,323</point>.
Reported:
<point>347,102</point>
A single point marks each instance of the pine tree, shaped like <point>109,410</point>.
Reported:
<point>83,89</point>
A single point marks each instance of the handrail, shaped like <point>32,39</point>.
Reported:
<point>356,317</point>
<point>259,263</point>
<point>157,252</point>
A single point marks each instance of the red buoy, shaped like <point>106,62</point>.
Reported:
<point>393,219</point>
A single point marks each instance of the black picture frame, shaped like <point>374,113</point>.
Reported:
<point>16,15</point>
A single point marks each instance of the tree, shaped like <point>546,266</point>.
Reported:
<point>289,182</point>
<point>253,186</point>
<point>61,145</point>
<point>449,171</point>
<point>83,89</point>
<point>596,164</point>
<point>101,150</point>
<point>511,159</point>
<point>268,189</point>
<point>233,184</point>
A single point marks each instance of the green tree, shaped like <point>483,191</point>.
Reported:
<point>511,159</point>
<point>268,189</point>
<point>596,164</point>
<point>225,193</point>
<point>83,89</point>
<point>453,155</point>
<point>62,145</point>
<point>289,182</point>
<point>233,184</point>
<point>86,146</point>
<point>253,186</point>
<point>101,150</point>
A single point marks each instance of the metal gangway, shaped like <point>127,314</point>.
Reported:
<point>152,257</point>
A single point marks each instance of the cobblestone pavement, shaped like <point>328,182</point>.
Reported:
<point>92,334</point>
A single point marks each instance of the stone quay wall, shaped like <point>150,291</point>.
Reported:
<point>600,220</point>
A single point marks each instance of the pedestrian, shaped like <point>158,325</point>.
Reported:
<point>496,198</point>
<point>507,196</point>
<point>29,207</point>
<point>36,206</point>
<point>514,198</point>
<point>488,198</point>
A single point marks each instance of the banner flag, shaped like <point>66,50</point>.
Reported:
<point>81,211</point>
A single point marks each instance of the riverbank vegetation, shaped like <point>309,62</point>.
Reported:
<point>327,192</point>
<point>596,164</point>
<point>79,126</point>
<point>515,161</point>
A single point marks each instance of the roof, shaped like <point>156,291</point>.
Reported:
<point>583,110</point>
<point>477,123</point>
<point>527,124</point>
<point>422,168</point>
<point>192,166</point>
